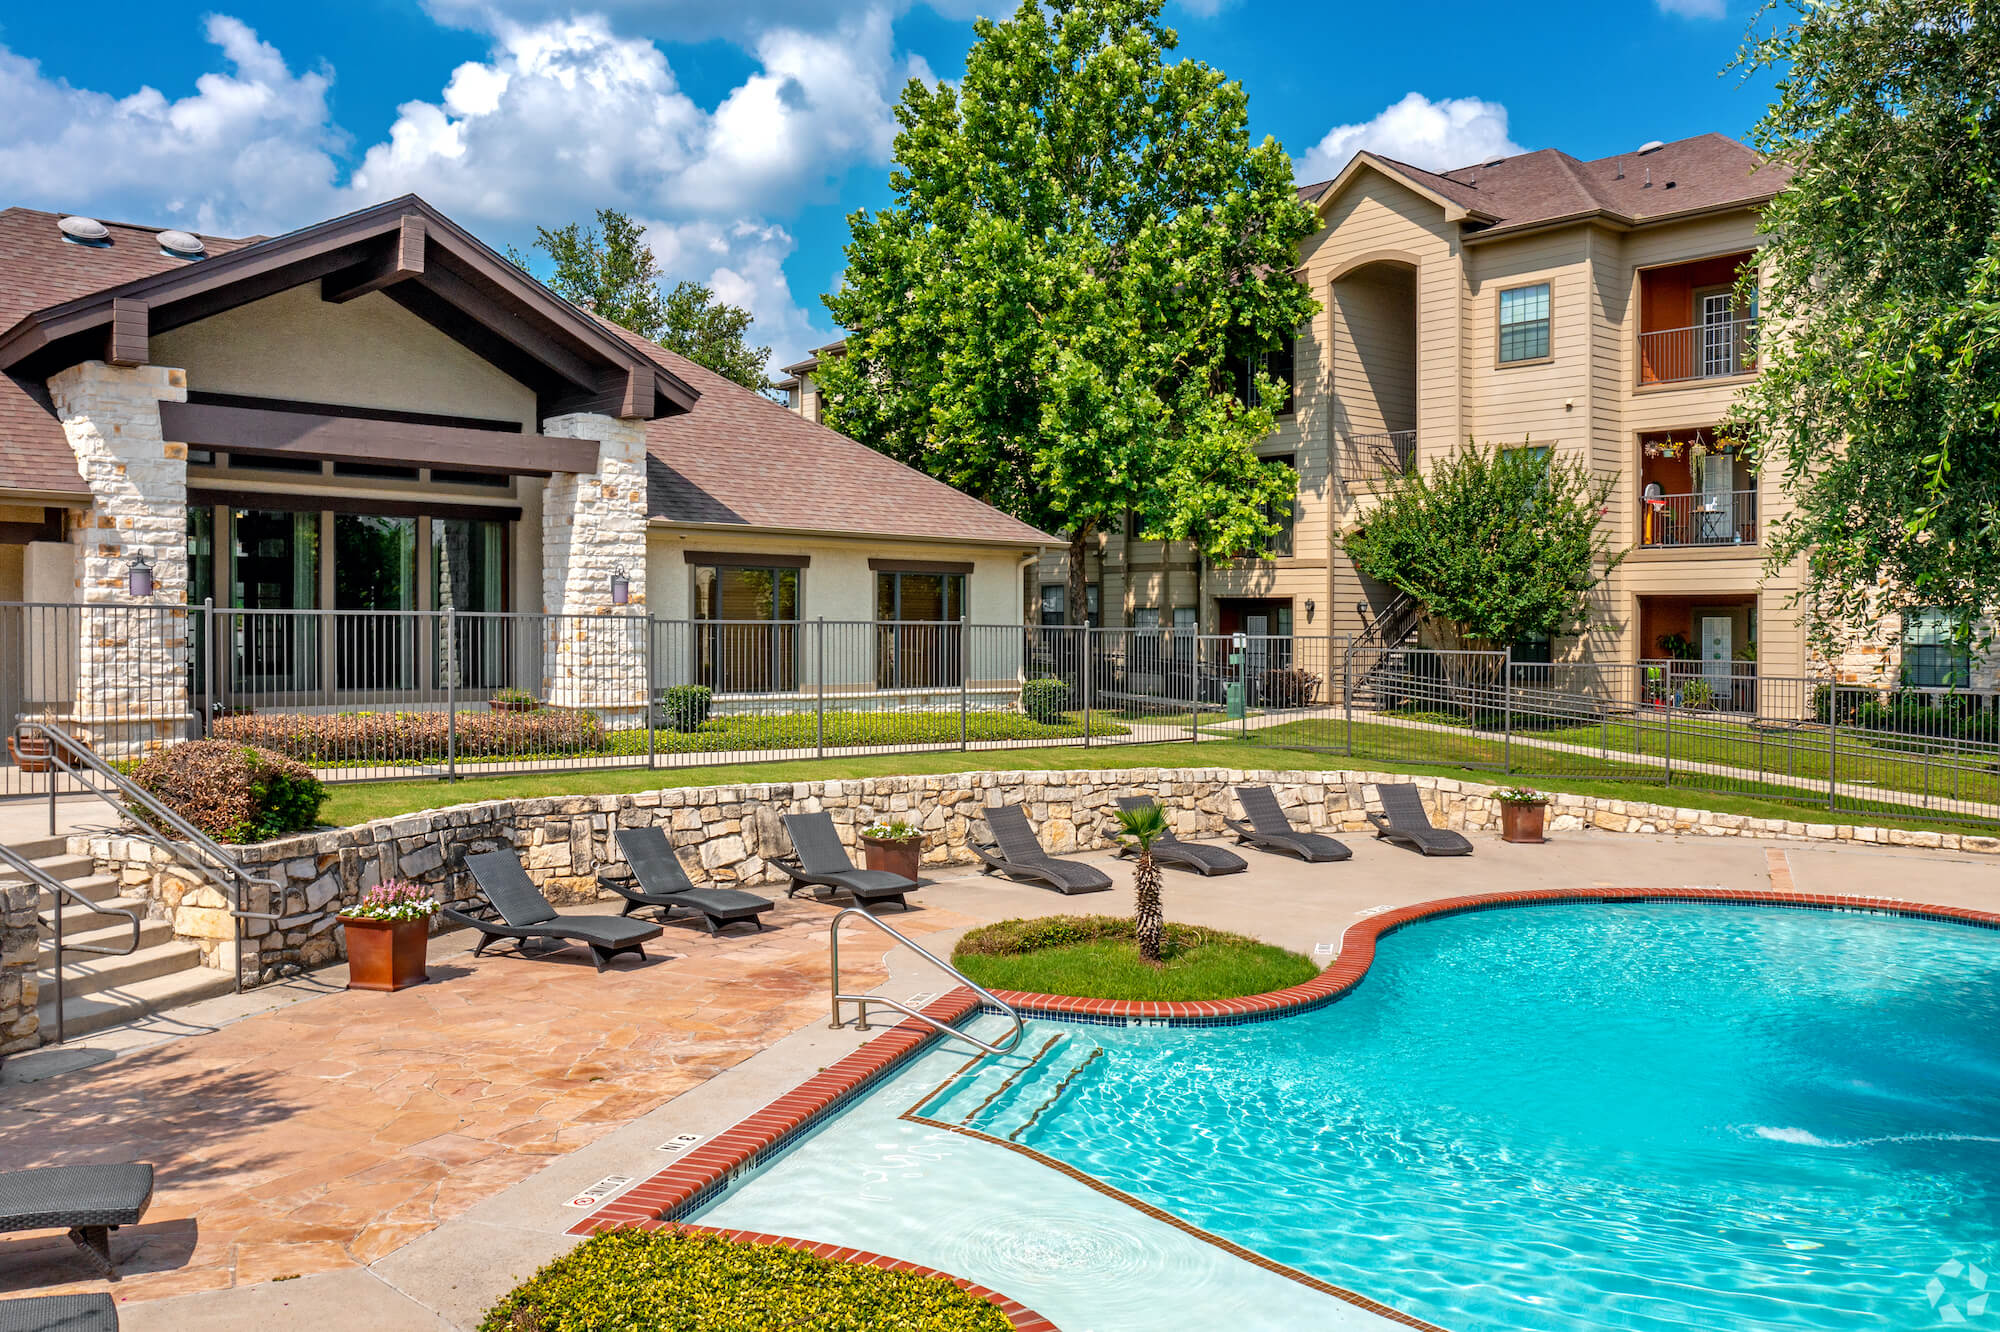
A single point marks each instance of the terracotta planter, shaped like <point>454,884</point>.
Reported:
<point>900,857</point>
<point>386,954</point>
<point>512,704</point>
<point>1522,823</point>
<point>29,755</point>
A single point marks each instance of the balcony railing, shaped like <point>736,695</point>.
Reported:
<point>1718,518</point>
<point>1371,455</point>
<point>1714,350</point>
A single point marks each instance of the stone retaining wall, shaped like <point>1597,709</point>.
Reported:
<point>20,953</point>
<point>726,835</point>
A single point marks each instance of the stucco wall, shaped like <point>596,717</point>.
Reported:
<point>368,352</point>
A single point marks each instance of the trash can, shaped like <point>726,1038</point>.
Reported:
<point>1232,700</point>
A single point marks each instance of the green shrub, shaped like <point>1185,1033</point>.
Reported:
<point>684,707</point>
<point>844,729</point>
<point>233,792</point>
<point>667,1281</point>
<point>1045,700</point>
<point>1005,938</point>
<point>415,737</point>
<point>1698,694</point>
<point>516,698</point>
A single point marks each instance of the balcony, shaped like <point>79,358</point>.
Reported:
<point>1718,349</point>
<point>1714,518</point>
<point>1371,455</point>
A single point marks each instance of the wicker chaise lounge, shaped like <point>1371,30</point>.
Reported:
<point>1269,829</point>
<point>516,909</point>
<point>1171,850</point>
<point>60,1313</point>
<point>1021,856</point>
<point>89,1201</point>
<point>1404,822</point>
<point>662,883</point>
<point>820,862</point>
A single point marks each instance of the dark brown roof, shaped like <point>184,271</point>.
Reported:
<point>738,458</point>
<point>811,361</point>
<point>42,269</point>
<point>1532,189</point>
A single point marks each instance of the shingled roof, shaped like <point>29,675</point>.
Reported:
<point>1536,189</point>
<point>42,269</point>
<point>737,459</point>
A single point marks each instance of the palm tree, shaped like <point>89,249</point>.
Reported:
<point>1144,826</point>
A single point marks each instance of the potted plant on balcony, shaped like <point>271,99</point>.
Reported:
<point>388,937</point>
<point>1522,812</point>
<point>893,846</point>
<point>513,700</point>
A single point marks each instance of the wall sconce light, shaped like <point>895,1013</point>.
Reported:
<point>621,588</point>
<point>139,577</point>
<point>1311,606</point>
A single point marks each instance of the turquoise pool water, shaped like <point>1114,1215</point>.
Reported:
<point>1637,1117</point>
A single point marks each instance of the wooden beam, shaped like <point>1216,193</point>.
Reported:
<point>126,342</point>
<point>399,261</point>
<point>277,434</point>
<point>507,324</point>
<point>299,501</point>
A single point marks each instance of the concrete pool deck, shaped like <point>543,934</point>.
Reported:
<point>405,1159</point>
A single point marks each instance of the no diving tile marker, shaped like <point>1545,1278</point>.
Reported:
<point>679,1143</point>
<point>1323,950</point>
<point>602,1189</point>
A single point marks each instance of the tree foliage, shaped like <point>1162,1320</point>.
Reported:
<point>1496,544</point>
<point>1880,390</point>
<point>1083,236</point>
<point>611,270</point>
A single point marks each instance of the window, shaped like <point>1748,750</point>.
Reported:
<point>1524,324</point>
<point>1280,364</point>
<point>1937,652</point>
<point>750,645</point>
<point>1146,641</point>
<point>1054,598</point>
<point>1282,513</point>
<point>374,569</point>
<point>919,638</point>
<point>468,572</point>
<point>1093,615</point>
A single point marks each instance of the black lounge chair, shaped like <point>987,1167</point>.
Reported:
<point>818,861</point>
<point>516,909</point>
<point>1404,822</point>
<point>1270,830</point>
<point>89,1201</point>
<point>662,883</point>
<point>1022,856</point>
<point>1171,850</point>
<point>60,1313</point>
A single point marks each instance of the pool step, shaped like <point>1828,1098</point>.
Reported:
<point>1007,1095</point>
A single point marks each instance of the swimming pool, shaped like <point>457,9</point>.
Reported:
<point>1638,1116</point>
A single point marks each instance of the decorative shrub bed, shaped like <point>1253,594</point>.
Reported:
<point>666,1281</point>
<point>801,730</point>
<point>416,737</point>
<point>233,792</point>
<point>1095,957</point>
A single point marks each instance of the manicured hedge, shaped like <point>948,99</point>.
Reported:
<point>1045,700</point>
<point>803,730</point>
<point>665,1281</point>
<point>232,792</point>
<point>416,737</point>
<point>1006,938</point>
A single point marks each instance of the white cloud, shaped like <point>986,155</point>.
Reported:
<point>1694,9</point>
<point>1452,132</point>
<point>250,149</point>
<point>740,21</point>
<point>562,117</point>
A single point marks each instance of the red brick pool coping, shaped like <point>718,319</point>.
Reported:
<point>709,1167</point>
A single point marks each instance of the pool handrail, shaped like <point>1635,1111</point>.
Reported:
<point>861,1001</point>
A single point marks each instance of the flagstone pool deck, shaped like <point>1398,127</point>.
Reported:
<point>328,1158</point>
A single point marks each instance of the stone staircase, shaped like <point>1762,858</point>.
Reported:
<point>104,991</point>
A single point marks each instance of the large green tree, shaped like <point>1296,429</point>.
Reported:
<point>610,269</point>
<point>1880,390</point>
<point>1496,545</point>
<point>1084,245</point>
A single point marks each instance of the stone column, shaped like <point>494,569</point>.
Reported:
<point>594,526</point>
<point>132,654</point>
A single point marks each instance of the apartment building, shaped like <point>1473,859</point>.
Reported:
<point>1538,301</point>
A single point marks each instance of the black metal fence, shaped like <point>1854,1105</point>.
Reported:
<point>371,695</point>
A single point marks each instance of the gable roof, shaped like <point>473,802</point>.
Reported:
<point>61,303</point>
<point>738,459</point>
<point>1549,187</point>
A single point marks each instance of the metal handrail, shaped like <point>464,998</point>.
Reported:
<point>59,890</point>
<point>861,1001</point>
<point>63,747</point>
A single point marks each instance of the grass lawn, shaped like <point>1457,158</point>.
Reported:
<point>361,801</point>
<point>1093,957</point>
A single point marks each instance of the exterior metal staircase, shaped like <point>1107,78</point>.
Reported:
<point>1375,652</point>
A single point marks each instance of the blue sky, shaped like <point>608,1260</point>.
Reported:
<point>744,131</point>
